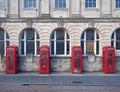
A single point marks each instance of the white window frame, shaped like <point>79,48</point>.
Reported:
<point>114,39</point>
<point>28,3</point>
<point>95,43</point>
<point>5,41</point>
<point>58,7</point>
<point>88,5</point>
<point>24,40</point>
<point>65,46</point>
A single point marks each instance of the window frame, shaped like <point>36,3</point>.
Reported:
<point>58,4</point>
<point>55,46</point>
<point>5,40</point>
<point>30,3</point>
<point>116,3</point>
<point>88,6</point>
<point>114,40</point>
<point>25,43</point>
<point>84,40</point>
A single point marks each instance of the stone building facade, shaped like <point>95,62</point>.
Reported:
<point>60,24</point>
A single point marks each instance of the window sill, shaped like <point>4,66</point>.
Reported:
<point>89,9</point>
<point>60,9</point>
<point>27,9</point>
<point>117,9</point>
<point>53,56</point>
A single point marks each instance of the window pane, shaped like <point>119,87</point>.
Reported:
<point>68,47</point>
<point>52,35</point>
<point>112,35</point>
<point>82,37</point>
<point>1,35</point>
<point>117,3</point>
<point>97,35</point>
<point>38,45</point>
<point>97,47</point>
<point>52,47</point>
<point>90,35</point>
<point>30,47</point>
<point>60,47</point>
<point>37,36</point>
<point>112,43</point>
<point>82,45</point>
<point>2,4</point>
<point>30,35</point>
<point>118,45</point>
<point>2,47</point>
<point>60,35</point>
<point>118,35</point>
<point>67,36</point>
<point>22,47</point>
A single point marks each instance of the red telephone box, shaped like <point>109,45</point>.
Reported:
<point>11,59</point>
<point>44,59</point>
<point>76,59</point>
<point>109,59</point>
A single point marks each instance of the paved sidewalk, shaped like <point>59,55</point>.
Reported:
<point>88,79</point>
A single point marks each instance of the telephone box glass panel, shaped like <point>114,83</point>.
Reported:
<point>77,60</point>
<point>10,61</point>
<point>44,60</point>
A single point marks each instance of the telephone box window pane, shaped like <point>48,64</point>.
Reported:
<point>30,35</point>
<point>60,35</point>
<point>52,47</point>
<point>118,35</point>
<point>97,49</point>
<point>60,47</point>
<point>30,47</point>
<point>90,35</point>
<point>82,45</point>
<point>118,45</point>
<point>1,35</point>
<point>68,47</point>
<point>2,47</point>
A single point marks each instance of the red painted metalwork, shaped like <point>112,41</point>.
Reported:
<point>11,59</point>
<point>109,59</point>
<point>76,59</point>
<point>44,59</point>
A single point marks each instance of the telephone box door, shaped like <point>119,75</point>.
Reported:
<point>44,59</point>
<point>109,59</point>
<point>11,59</point>
<point>76,59</point>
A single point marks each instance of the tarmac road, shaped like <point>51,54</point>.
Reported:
<point>54,88</point>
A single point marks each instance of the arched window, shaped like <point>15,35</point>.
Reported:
<point>90,42</point>
<point>60,43</point>
<point>29,42</point>
<point>4,41</point>
<point>115,39</point>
